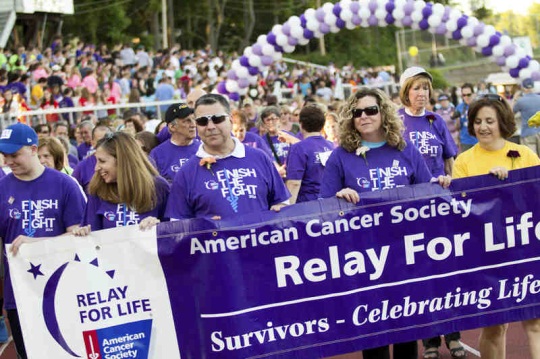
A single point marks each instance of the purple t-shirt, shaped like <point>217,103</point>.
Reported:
<point>84,172</point>
<point>2,173</point>
<point>83,149</point>
<point>232,186</point>
<point>169,158</point>
<point>432,139</point>
<point>304,163</point>
<point>164,134</point>
<point>255,141</point>
<point>101,214</point>
<point>44,207</point>
<point>281,148</point>
<point>383,168</point>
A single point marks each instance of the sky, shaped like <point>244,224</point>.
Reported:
<point>518,6</point>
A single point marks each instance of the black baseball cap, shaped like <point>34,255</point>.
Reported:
<point>178,110</point>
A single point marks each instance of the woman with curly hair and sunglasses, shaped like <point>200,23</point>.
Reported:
<point>126,189</point>
<point>373,149</point>
<point>492,122</point>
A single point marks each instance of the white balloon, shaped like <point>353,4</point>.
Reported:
<point>498,50</point>
<point>328,7</point>
<point>253,79</point>
<point>297,32</point>
<point>248,51</point>
<point>310,14</point>
<point>236,65</point>
<point>242,72</point>
<point>417,16</point>
<point>525,73</point>
<point>334,29</point>
<point>231,86</point>
<point>455,14</point>
<point>380,14</point>
<point>489,30</point>
<point>268,50</point>
<point>261,40</point>
<point>382,23</point>
<point>512,61</point>
<point>294,21</point>
<point>434,21</point>
<point>520,52</point>
<point>345,3</point>
<point>282,40</point>
<point>467,31</point>
<point>318,34</point>
<point>419,5</point>
<point>330,19</point>
<point>288,48</point>
<point>438,9</point>
<point>398,14</point>
<point>277,56</point>
<point>482,41</point>
<point>243,91</point>
<point>472,21</point>
<point>349,25</point>
<point>451,25</point>
<point>276,29</point>
<point>399,4</point>
<point>254,61</point>
<point>303,41</point>
<point>346,15</point>
<point>312,24</point>
<point>534,65</point>
<point>505,40</point>
<point>364,13</point>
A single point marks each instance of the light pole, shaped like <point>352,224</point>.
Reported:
<point>164,23</point>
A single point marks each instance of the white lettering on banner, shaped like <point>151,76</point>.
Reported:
<point>523,227</point>
<point>315,229</point>
<point>123,345</point>
<point>431,210</point>
<point>521,288</point>
<point>316,269</point>
<point>270,334</point>
<point>446,245</point>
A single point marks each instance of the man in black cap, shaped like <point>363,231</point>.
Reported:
<point>174,152</point>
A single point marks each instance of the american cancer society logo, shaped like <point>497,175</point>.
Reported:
<point>129,340</point>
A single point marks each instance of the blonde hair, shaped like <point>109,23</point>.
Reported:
<point>404,90</point>
<point>350,138</point>
<point>135,183</point>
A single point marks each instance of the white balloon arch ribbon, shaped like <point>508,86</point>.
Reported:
<point>435,18</point>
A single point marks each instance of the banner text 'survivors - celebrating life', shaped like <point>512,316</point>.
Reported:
<point>318,279</point>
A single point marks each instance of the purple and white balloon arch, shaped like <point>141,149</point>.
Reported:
<point>435,18</point>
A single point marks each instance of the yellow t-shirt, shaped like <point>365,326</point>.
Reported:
<point>37,94</point>
<point>478,161</point>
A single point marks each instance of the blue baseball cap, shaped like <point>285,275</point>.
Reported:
<point>16,137</point>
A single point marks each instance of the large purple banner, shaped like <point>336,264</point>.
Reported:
<point>325,277</point>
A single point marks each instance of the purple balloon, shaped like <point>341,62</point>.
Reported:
<point>356,20</point>
<point>509,50</point>
<point>286,29</point>
<point>271,38</point>
<point>324,28</point>
<point>427,11</point>
<point>462,22</point>
<point>292,41</point>
<point>409,7</point>
<point>278,48</point>
<point>501,60</point>
<point>487,51</point>
<point>221,87</point>
<point>471,41</point>
<point>355,6</point>
<point>494,40</point>
<point>243,83</point>
<point>373,6</point>
<point>257,49</point>
<point>523,63</point>
<point>234,96</point>
<point>373,21</point>
<point>479,29</point>
<point>390,6</point>
<point>340,23</point>
<point>514,72</point>
<point>389,19</point>
<point>244,61</point>
<point>446,15</point>
<point>337,9</point>
<point>267,60</point>
<point>441,29</point>
<point>423,24</point>
<point>231,75</point>
<point>535,76</point>
<point>308,34</point>
<point>407,21</point>
<point>253,70</point>
<point>456,35</point>
<point>303,20</point>
<point>320,14</point>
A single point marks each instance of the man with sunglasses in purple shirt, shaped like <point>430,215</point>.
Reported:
<point>224,178</point>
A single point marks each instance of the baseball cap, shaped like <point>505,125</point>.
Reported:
<point>17,136</point>
<point>443,97</point>
<point>413,71</point>
<point>178,110</point>
<point>528,83</point>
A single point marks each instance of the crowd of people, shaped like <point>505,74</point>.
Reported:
<point>262,154</point>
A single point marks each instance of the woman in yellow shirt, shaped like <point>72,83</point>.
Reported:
<point>491,121</point>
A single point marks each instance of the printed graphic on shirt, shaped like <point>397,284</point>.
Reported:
<point>232,185</point>
<point>176,167</point>
<point>382,178</point>
<point>322,157</point>
<point>123,216</point>
<point>422,141</point>
<point>33,215</point>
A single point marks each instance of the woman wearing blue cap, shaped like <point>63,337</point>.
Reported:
<point>35,201</point>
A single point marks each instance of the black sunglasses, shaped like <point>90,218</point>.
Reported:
<point>369,111</point>
<point>466,94</point>
<point>203,120</point>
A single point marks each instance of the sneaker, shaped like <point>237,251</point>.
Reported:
<point>4,336</point>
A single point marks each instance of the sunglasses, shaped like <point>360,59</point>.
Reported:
<point>466,94</point>
<point>216,119</point>
<point>369,111</point>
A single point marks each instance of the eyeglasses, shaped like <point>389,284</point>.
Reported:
<point>216,119</point>
<point>491,96</point>
<point>466,94</point>
<point>296,114</point>
<point>369,111</point>
<point>271,119</point>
